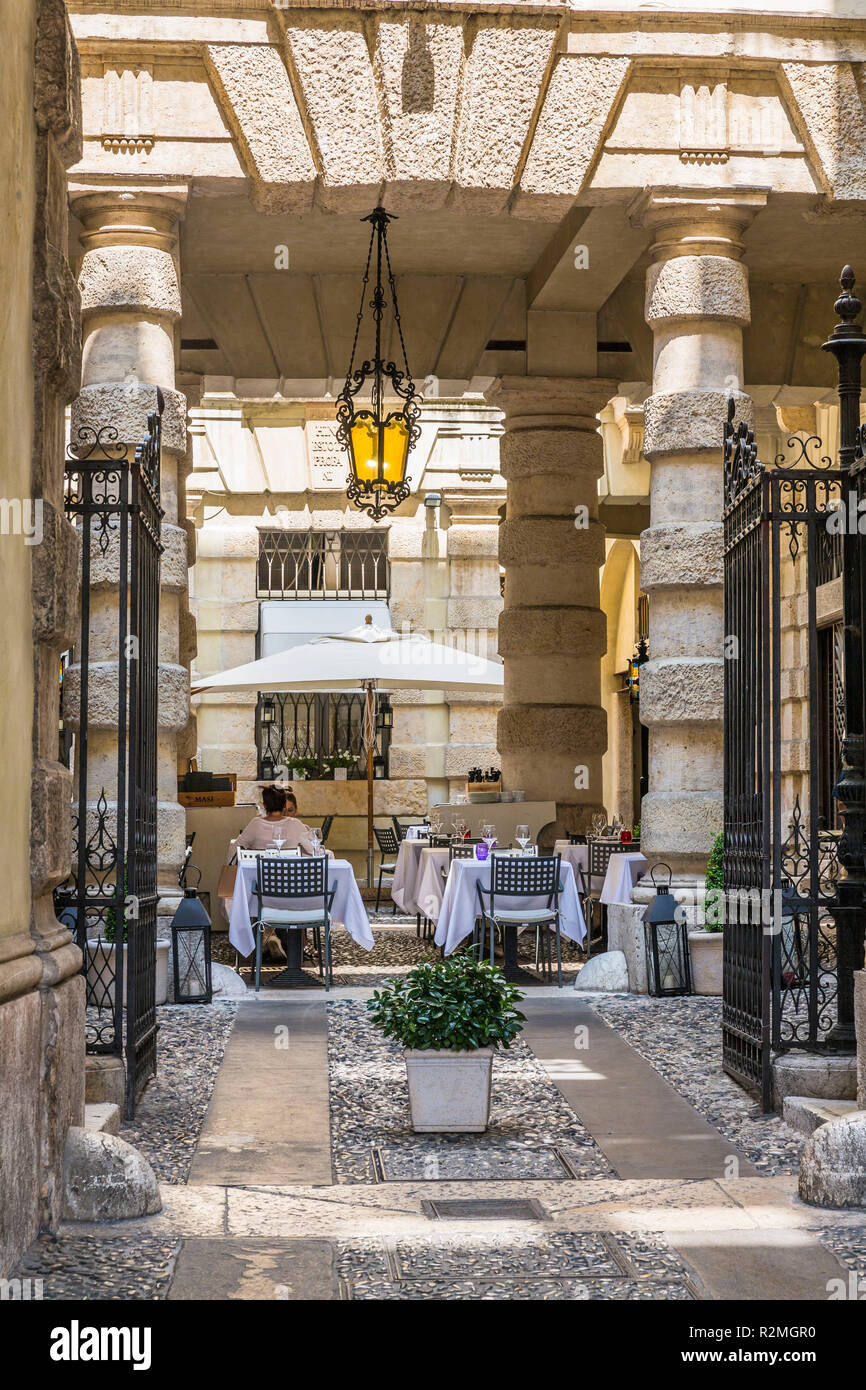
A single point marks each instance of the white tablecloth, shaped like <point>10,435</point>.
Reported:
<point>623,872</point>
<point>418,832</point>
<point>429,884</point>
<point>406,875</point>
<point>460,903</point>
<point>575,855</point>
<point>347,908</point>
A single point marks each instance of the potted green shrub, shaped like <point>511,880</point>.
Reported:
<point>450,1016</point>
<point>705,942</point>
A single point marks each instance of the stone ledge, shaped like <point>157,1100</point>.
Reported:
<point>807,1113</point>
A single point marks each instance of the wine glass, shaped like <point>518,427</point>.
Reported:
<point>616,825</point>
<point>279,839</point>
<point>435,824</point>
<point>598,823</point>
<point>522,836</point>
<point>488,834</point>
<point>317,839</point>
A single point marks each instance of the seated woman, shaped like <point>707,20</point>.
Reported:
<point>291,814</point>
<point>280,818</point>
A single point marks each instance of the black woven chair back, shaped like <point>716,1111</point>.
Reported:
<point>599,856</point>
<point>386,839</point>
<point>401,831</point>
<point>462,849</point>
<point>300,876</point>
<point>326,828</point>
<point>524,876</point>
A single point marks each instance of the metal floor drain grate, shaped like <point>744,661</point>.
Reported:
<point>470,1163</point>
<point>485,1209</point>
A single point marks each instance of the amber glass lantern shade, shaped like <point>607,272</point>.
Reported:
<point>377,444</point>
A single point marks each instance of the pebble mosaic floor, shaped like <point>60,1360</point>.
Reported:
<point>533,1135</point>
<point>526,1265</point>
<point>114,1269</point>
<point>681,1039</point>
<point>530,1120</point>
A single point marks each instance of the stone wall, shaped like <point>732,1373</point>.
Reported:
<point>41,992</point>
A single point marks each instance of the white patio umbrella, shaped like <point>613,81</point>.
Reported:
<point>367,658</point>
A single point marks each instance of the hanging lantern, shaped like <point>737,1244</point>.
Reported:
<point>386,713</point>
<point>377,443</point>
<point>269,710</point>
<point>190,937</point>
<point>668,964</point>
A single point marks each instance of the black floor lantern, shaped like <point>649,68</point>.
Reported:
<point>668,964</point>
<point>190,939</point>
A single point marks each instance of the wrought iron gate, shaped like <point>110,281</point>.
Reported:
<point>110,696</point>
<point>781,861</point>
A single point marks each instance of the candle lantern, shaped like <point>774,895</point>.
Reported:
<point>668,964</point>
<point>190,937</point>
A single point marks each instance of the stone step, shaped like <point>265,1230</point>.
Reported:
<point>806,1113</point>
<point>102,1118</point>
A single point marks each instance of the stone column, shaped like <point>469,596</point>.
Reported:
<point>697,302</point>
<point>130,299</point>
<point>552,728</point>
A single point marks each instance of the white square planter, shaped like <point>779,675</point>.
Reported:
<point>449,1092</point>
<point>705,950</point>
<point>341,774</point>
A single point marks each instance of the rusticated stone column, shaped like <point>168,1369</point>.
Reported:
<point>697,302</point>
<point>552,727</point>
<point>130,299</point>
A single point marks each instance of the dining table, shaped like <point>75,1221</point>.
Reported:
<point>347,910</point>
<point>459,907</point>
<point>623,871</point>
<point>406,871</point>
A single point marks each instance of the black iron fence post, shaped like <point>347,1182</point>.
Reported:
<point>847,343</point>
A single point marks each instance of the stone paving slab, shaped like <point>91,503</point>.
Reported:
<point>268,1118</point>
<point>250,1268</point>
<point>640,1123</point>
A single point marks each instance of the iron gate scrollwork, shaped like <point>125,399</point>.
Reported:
<point>111,694</point>
<point>781,865</point>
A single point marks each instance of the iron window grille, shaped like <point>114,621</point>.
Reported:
<point>323,564</point>
<point>292,726</point>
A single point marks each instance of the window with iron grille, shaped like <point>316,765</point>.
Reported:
<point>323,564</point>
<point>312,728</point>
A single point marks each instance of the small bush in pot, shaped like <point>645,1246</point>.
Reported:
<point>449,1015</point>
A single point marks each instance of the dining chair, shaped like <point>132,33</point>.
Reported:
<point>400,830</point>
<point>326,828</point>
<point>290,879</point>
<point>389,845</point>
<point>513,878</point>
